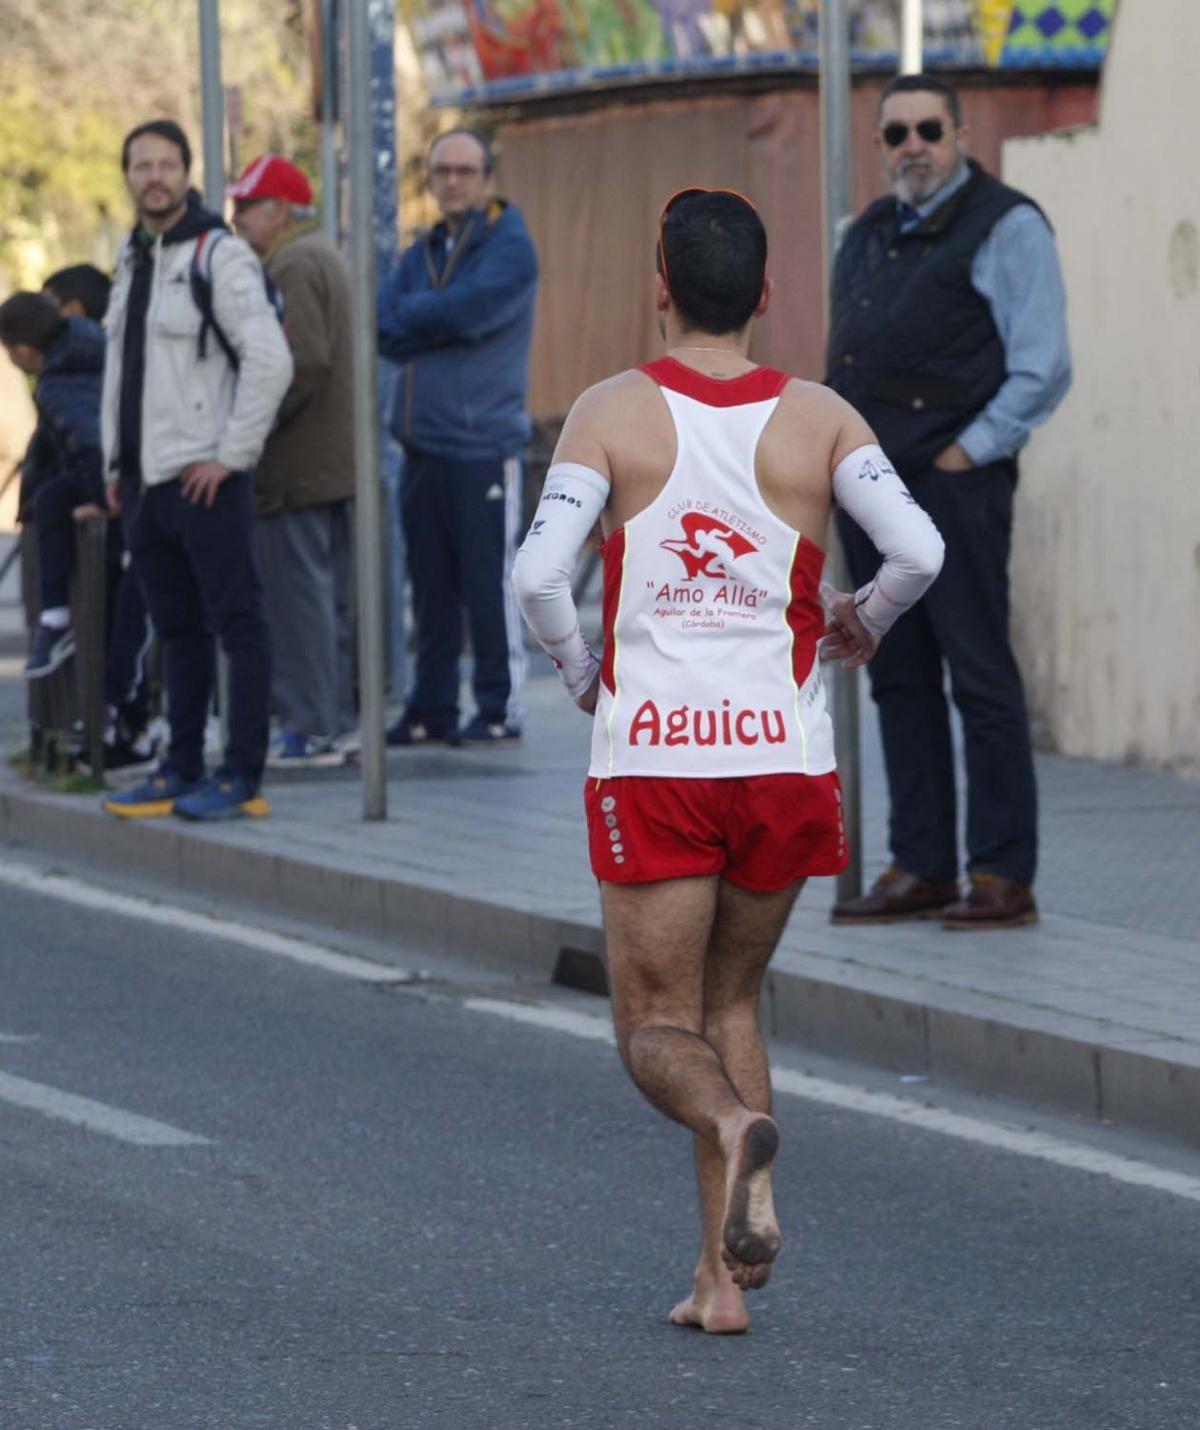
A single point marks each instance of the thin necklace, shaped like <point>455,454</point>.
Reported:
<point>694,348</point>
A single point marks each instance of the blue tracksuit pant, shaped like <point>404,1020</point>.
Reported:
<point>461,520</point>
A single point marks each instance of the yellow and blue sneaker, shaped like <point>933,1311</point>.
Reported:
<point>222,796</point>
<point>152,797</point>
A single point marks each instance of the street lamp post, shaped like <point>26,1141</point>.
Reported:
<point>212,105</point>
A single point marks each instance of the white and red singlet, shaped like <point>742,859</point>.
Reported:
<point>711,607</point>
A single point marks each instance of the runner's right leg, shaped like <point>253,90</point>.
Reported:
<point>746,930</point>
<point>658,937</point>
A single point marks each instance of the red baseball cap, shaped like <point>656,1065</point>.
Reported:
<point>273,177</point>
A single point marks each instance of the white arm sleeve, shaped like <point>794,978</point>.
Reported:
<point>867,487</point>
<point>572,500</point>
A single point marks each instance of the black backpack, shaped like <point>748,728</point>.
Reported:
<point>200,278</point>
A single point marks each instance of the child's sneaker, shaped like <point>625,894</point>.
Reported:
<point>222,796</point>
<point>50,649</point>
<point>121,753</point>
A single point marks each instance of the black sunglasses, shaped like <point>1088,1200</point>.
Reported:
<point>933,131</point>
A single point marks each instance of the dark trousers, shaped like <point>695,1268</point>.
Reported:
<point>960,624</point>
<point>53,502</point>
<point>199,573</point>
<point>459,521</point>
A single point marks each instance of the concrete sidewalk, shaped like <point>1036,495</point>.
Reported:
<point>1095,1011</point>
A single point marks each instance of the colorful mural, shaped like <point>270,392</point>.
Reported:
<point>480,50</point>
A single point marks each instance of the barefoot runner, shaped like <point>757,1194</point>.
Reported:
<point>712,793</point>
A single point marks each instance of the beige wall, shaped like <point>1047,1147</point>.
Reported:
<point>1106,565</point>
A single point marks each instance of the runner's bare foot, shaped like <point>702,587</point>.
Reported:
<point>751,1233</point>
<point>719,1309</point>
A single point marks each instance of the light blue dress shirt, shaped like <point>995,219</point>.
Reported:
<point>1016,272</point>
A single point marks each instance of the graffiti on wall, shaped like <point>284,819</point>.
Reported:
<point>495,49</point>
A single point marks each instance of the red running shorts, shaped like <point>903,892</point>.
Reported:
<point>761,833</point>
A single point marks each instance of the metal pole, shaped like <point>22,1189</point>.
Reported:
<point>212,111</point>
<point>330,178</point>
<point>383,111</point>
<point>912,36</point>
<point>212,105</point>
<point>835,173</point>
<point>368,488</point>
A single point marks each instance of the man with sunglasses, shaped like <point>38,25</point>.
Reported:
<point>949,335</point>
<point>457,314</point>
<point>712,792</point>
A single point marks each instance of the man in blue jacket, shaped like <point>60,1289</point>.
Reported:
<point>457,313</point>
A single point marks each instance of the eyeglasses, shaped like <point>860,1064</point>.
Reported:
<point>933,131</point>
<point>454,171</point>
<point>677,198</point>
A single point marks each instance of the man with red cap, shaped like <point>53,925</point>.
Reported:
<point>304,482</point>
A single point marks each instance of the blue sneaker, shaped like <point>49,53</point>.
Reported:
<point>222,796</point>
<point>150,798</point>
<point>482,731</point>
<point>406,732</point>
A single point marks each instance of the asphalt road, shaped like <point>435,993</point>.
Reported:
<point>410,1214</point>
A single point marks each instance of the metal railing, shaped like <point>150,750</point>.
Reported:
<point>66,708</point>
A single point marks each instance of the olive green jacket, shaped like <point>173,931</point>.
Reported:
<point>309,457</point>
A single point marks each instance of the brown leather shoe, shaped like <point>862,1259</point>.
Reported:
<point>994,902</point>
<point>896,896</point>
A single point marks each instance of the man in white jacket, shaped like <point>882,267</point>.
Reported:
<point>196,367</point>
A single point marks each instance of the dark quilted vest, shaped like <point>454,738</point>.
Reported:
<point>912,344</point>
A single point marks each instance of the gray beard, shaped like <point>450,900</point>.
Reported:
<point>902,188</point>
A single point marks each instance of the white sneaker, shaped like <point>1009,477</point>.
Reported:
<point>290,751</point>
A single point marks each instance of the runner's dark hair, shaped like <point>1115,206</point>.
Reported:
<point>715,251</point>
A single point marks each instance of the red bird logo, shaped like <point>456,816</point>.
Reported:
<point>709,548</point>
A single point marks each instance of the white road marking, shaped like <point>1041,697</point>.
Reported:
<point>1005,1137</point>
<point>96,1116</point>
<point>19,1037</point>
<point>88,896</point>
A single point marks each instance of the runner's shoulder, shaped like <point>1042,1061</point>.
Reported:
<point>815,407</point>
<point>631,382</point>
<point>614,396</point>
<point>814,399</point>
